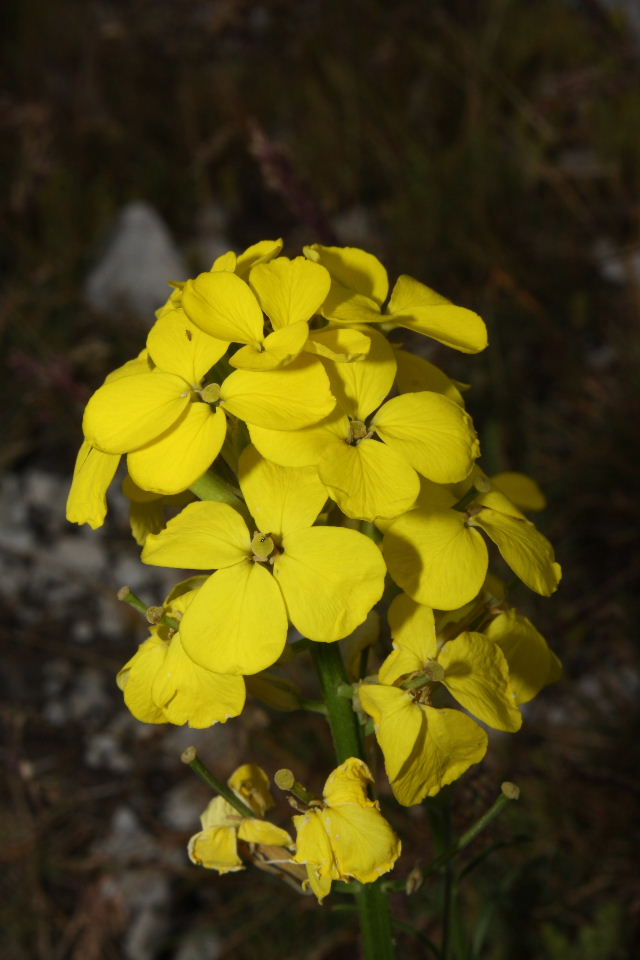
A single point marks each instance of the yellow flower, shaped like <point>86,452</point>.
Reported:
<point>426,747</point>
<point>92,476</point>
<point>414,373</point>
<point>360,287</point>
<point>216,845</point>
<point>147,510</point>
<point>346,837</point>
<point>289,292</point>
<point>421,432</point>
<point>94,470</point>
<point>165,419</point>
<point>157,415</point>
<point>440,558</point>
<point>322,579</point>
<point>161,684</point>
<point>532,665</point>
<point>521,490</point>
<point>243,263</point>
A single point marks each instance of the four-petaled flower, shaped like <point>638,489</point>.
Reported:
<point>345,836</point>
<point>322,579</point>
<point>424,746</point>
<point>216,845</point>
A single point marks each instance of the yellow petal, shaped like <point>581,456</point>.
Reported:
<point>259,252</point>
<point>189,694</point>
<point>140,364</point>
<point>365,845</point>
<point>220,813</point>
<point>280,499</point>
<point>277,350</point>
<point>434,496</point>
<point>532,665</point>
<point>92,476</point>
<point>320,886</point>
<point>276,691</point>
<point>400,724</point>
<point>146,518</point>
<point>434,434</point>
<point>288,399</point>
<point>479,680</point>
<point>300,448</point>
<point>348,784</point>
<point>330,578</point>
<point>136,680</point>
<point>137,494</point>
<point>416,307</point>
<point>314,848</point>
<point>183,593</point>
<point>520,489</point>
<point>237,623</point>
<point>289,290</point>
<point>340,344</point>
<point>525,549</point>
<point>355,646</point>
<point>223,306</point>
<point>226,261</point>
<point>205,535</point>
<point>216,850</point>
<point>178,346</point>
<point>344,306</point>
<point>453,742</point>
<point>251,784</point>
<point>353,268</point>
<point>131,411</point>
<point>263,832</point>
<point>368,480</point>
<point>436,558</point>
<point>181,455</point>
<point>414,632</point>
<point>360,387</point>
<point>415,374</point>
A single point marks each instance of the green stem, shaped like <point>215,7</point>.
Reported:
<point>285,779</point>
<point>345,728</point>
<point>509,793</point>
<point>153,615</point>
<point>371,899</point>
<point>447,886</point>
<point>190,757</point>
<point>212,487</point>
<point>464,502</point>
<point>375,922</point>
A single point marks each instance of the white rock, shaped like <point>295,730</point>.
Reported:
<point>356,226</point>
<point>137,266</point>
<point>183,805</point>
<point>211,235</point>
<point>615,264</point>
<point>75,553</point>
<point>199,945</point>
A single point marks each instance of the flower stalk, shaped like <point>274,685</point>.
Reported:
<point>191,759</point>
<point>371,898</point>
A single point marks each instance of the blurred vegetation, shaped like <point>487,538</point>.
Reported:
<point>495,149</point>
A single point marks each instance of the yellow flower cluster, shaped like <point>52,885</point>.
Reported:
<point>342,836</point>
<point>337,457</point>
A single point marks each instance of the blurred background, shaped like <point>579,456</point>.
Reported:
<point>491,150</point>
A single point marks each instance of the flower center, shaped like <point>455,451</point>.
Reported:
<point>262,546</point>
<point>210,393</point>
<point>358,431</point>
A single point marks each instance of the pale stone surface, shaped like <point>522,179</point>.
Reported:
<point>133,275</point>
